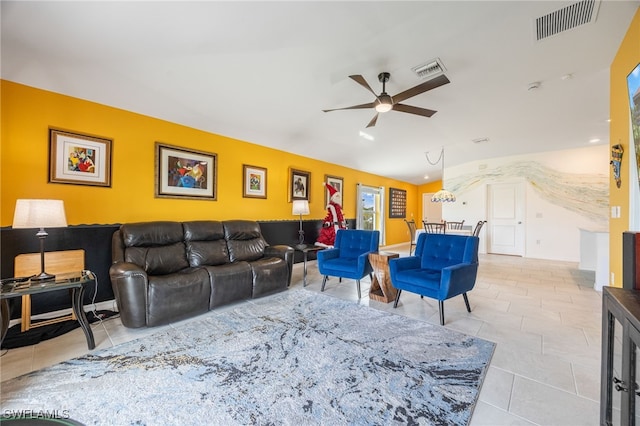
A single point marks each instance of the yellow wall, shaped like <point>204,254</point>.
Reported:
<point>626,59</point>
<point>27,114</point>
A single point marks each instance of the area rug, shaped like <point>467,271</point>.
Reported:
<point>294,358</point>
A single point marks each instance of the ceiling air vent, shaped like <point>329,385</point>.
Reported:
<point>429,69</point>
<point>574,15</point>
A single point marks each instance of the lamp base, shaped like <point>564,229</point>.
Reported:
<point>43,277</point>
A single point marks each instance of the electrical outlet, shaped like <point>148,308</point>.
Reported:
<point>538,242</point>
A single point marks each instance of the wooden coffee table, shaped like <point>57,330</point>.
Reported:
<point>381,288</point>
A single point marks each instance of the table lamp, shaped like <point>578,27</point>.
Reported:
<point>40,214</point>
<point>300,207</point>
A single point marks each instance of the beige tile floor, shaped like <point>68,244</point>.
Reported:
<point>544,316</point>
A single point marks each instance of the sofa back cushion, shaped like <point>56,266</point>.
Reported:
<point>438,251</point>
<point>157,247</point>
<point>244,240</point>
<point>205,243</point>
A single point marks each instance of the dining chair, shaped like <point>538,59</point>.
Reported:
<point>478,228</point>
<point>412,233</point>
<point>434,227</point>
<point>454,225</point>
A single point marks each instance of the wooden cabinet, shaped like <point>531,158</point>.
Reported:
<point>622,306</point>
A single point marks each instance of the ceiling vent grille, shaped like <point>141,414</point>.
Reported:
<point>429,69</point>
<point>574,15</point>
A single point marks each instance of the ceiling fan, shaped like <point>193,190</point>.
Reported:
<point>384,102</point>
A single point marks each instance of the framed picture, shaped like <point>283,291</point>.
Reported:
<point>79,159</point>
<point>337,183</point>
<point>299,182</point>
<point>254,182</point>
<point>185,173</point>
<point>397,203</point>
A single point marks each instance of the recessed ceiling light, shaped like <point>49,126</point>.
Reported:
<point>426,177</point>
<point>367,136</point>
<point>594,140</point>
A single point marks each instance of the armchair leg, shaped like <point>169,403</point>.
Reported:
<point>395,305</point>
<point>324,281</point>
<point>358,282</point>
<point>441,309</point>
<point>466,301</point>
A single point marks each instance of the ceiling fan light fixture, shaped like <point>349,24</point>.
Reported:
<point>385,103</point>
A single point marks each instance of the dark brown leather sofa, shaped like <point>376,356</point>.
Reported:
<point>167,271</point>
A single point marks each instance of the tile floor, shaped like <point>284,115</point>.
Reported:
<point>544,316</point>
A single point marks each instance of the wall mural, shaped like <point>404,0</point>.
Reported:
<point>583,194</point>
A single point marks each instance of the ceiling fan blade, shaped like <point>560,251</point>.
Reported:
<point>361,106</point>
<point>362,82</point>
<point>421,88</point>
<point>414,110</point>
<point>373,121</point>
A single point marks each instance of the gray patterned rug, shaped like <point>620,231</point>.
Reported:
<point>294,358</point>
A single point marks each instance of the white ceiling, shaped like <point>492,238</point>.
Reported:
<point>264,71</point>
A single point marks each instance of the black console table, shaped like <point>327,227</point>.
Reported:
<point>622,305</point>
<point>76,282</point>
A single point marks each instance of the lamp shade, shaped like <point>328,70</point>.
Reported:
<point>300,207</point>
<point>39,214</point>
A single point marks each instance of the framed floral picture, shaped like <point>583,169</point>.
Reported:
<point>79,159</point>
<point>337,183</point>
<point>299,182</point>
<point>254,181</point>
<point>185,173</point>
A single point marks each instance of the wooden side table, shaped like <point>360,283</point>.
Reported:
<point>381,288</point>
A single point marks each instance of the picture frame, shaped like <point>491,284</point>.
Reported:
<point>397,203</point>
<point>254,181</point>
<point>185,173</point>
<point>337,183</point>
<point>79,159</point>
<point>299,183</point>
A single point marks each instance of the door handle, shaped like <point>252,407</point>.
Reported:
<point>519,223</point>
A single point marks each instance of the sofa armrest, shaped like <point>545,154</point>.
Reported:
<point>130,284</point>
<point>457,279</point>
<point>283,252</point>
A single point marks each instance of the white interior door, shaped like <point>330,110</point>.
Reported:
<point>431,212</point>
<point>505,221</point>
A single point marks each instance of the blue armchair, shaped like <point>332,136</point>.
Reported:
<point>349,257</point>
<point>443,266</point>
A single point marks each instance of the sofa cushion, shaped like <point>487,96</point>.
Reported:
<point>177,296</point>
<point>157,247</point>
<point>205,243</point>
<point>151,233</point>
<point>158,260</point>
<point>244,240</point>
<point>230,283</point>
